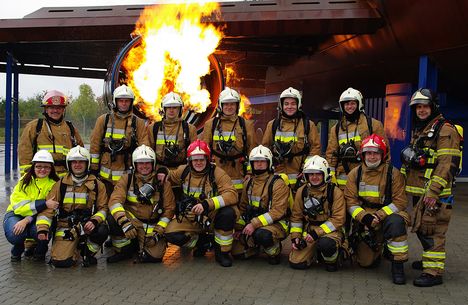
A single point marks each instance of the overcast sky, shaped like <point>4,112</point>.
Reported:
<point>30,84</point>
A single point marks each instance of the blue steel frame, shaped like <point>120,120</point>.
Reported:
<point>11,99</point>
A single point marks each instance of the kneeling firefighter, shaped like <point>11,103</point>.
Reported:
<point>81,227</point>
<point>208,204</point>
<point>317,219</point>
<point>263,207</point>
<point>376,200</point>
<point>141,208</point>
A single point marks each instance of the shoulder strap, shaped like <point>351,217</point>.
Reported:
<point>134,141</point>
<point>38,131</point>
<point>213,127</point>
<point>274,127</point>
<point>185,173</point>
<point>270,189</point>
<point>330,197</point>
<point>186,131</point>
<point>244,135</point>
<point>106,121</point>
<point>369,124</point>
<point>63,190</point>
<point>72,133</point>
<point>304,193</point>
<point>211,176</point>
<point>306,123</point>
<point>337,130</point>
<point>156,127</point>
<point>388,185</point>
<point>358,177</point>
<point>129,181</point>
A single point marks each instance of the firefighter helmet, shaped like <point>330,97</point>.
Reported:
<point>261,153</point>
<point>317,164</point>
<point>54,98</point>
<point>374,143</point>
<point>143,153</point>
<point>78,153</point>
<point>292,93</point>
<point>228,95</point>
<point>424,96</point>
<point>352,94</point>
<point>172,99</point>
<point>43,156</point>
<point>198,149</point>
<point>122,91</point>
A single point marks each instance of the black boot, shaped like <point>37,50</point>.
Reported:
<point>331,267</point>
<point>203,244</point>
<point>427,280</point>
<point>223,258</point>
<point>417,265</point>
<point>119,256</point>
<point>398,273</point>
<point>274,260</point>
<point>89,261</point>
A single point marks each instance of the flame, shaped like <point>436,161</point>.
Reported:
<point>232,80</point>
<point>173,55</point>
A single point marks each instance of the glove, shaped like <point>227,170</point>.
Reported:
<point>367,220</point>
<point>129,230</point>
<point>299,243</point>
<point>428,224</point>
<point>206,207</point>
<point>314,235</point>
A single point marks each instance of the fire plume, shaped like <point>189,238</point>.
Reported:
<point>172,56</point>
<point>232,80</point>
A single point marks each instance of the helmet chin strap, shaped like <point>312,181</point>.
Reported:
<point>373,165</point>
<point>53,120</point>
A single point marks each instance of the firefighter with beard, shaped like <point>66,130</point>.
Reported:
<point>345,138</point>
<point>430,164</point>
<point>208,204</point>
<point>317,219</point>
<point>51,133</point>
<point>115,136</point>
<point>81,227</point>
<point>263,208</point>
<point>230,137</point>
<point>291,136</point>
<point>141,208</point>
<point>375,198</point>
<point>171,137</point>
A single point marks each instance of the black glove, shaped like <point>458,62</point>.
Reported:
<point>299,243</point>
<point>314,235</point>
<point>367,220</point>
<point>206,207</point>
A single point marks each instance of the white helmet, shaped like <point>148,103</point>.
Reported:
<point>122,91</point>
<point>228,95</point>
<point>143,153</point>
<point>261,153</point>
<point>78,153</point>
<point>172,99</point>
<point>292,93</point>
<point>317,164</point>
<point>351,94</point>
<point>43,156</point>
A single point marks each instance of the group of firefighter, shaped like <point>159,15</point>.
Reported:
<point>147,186</point>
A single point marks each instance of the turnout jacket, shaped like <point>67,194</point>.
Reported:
<point>229,128</point>
<point>30,200</point>
<point>357,131</point>
<point>197,183</point>
<point>257,196</point>
<point>332,219</point>
<point>81,197</point>
<point>110,170</point>
<point>169,132</point>
<point>55,138</point>
<point>372,190</point>
<point>443,161</point>
<point>292,130</point>
<point>124,203</point>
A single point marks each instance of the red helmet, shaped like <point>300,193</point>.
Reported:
<point>375,143</point>
<point>198,148</point>
<point>54,98</point>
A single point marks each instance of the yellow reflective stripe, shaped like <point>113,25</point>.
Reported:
<point>434,255</point>
<point>120,243</point>
<point>439,180</point>
<point>75,200</point>
<point>240,221</point>
<point>369,194</point>
<point>92,246</point>
<point>285,139</point>
<point>398,246</point>
<point>164,142</point>
<point>447,191</point>
<point>44,220</point>
<point>414,190</point>
<point>387,210</point>
<point>438,265</point>
<point>60,233</point>
<point>163,222</point>
<point>296,230</point>
<point>114,136</point>
<point>355,210</point>
<point>222,138</point>
<point>265,219</point>
<point>132,199</point>
<point>223,240</point>
<point>355,139</point>
<point>101,215</point>
<point>218,202</point>
<point>448,151</point>
<point>284,224</point>
<point>327,227</point>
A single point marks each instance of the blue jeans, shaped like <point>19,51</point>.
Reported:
<point>18,240</point>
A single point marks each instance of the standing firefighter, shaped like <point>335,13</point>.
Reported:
<point>318,215</point>
<point>431,163</point>
<point>81,214</point>
<point>345,138</point>
<point>208,204</point>
<point>375,198</point>
<point>231,137</point>
<point>114,138</point>
<point>141,207</point>
<point>171,137</point>
<point>51,133</point>
<point>263,207</point>
<point>291,136</point>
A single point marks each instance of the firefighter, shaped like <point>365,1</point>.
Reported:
<point>230,137</point>
<point>345,138</point>
<point>375,198</point>
<point>26,201</point>
<point>263,208</point>
<point>114,138</point>
<point>208,204</point>
<point>52,133</point>
<point>81,214</point>
<point>291,136</point>
<point>317,219</point>
<point>430,164</point>
<point>141,208</point>
<point>171,137</point>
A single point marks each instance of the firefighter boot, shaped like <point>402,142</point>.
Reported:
<point>398,273</point>
<point>427,280</point>
<point>203,245</point>
<point>223,258</point>
<point>417,265</point>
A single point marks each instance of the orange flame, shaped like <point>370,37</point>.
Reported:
<point>232,80</point>
<point>173,55</point>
